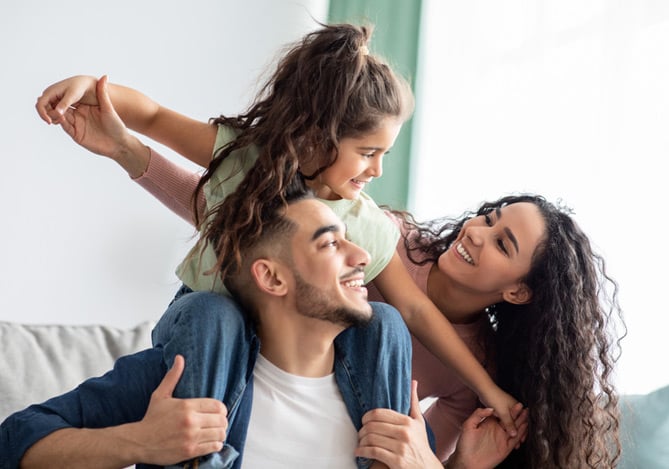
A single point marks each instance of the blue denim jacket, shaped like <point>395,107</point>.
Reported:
<point>122,395</point>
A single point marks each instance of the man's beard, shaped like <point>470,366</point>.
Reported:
<point>314,303</point>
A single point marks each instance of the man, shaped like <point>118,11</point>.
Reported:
<point>302,284</point>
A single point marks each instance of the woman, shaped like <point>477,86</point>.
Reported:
<point>520,281</point>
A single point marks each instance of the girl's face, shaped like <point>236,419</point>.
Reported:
<point>360,160</point>
<point>493,252</point>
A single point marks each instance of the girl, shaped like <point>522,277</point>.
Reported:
<point>329,113</point>
<point>555,349</point>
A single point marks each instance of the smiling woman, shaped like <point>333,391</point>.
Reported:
<point>522,285</point>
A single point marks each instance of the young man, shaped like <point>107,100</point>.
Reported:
<point>302,286</point>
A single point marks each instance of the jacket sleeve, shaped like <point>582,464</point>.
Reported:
<point>120,396</point>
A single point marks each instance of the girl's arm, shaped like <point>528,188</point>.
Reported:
<point>189,137</point>
<point>436,333</point>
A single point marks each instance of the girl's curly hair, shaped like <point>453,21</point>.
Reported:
<point>326,87</point>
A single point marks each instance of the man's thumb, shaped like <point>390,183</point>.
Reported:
<point>166,387</point>
<point>415,412</point>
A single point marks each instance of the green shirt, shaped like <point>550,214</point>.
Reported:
<point>367,225</point>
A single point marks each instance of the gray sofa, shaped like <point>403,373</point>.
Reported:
<point>41,361</point>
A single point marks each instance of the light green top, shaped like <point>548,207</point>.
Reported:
<point>367,225</point>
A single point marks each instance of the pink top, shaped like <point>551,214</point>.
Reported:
<point>454,400</point>
<point>173,185</point>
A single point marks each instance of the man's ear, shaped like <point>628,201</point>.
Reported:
<point>519,294</point>
<point>269,276</point>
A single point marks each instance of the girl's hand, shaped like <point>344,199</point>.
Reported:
<point>57,98</point>
<point>505,408</point>
<point>483,443</point>
<point>397,440</point>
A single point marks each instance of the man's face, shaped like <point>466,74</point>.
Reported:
<point>327,269</point>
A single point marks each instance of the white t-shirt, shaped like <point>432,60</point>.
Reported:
<point>297,422</point>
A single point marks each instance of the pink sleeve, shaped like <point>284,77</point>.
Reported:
<point>172,185</point>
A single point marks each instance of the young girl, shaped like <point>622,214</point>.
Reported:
<point>555,350</point>
<point>330,112</point>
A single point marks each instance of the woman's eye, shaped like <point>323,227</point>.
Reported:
<point>500,243</point>
<point>488,220</point>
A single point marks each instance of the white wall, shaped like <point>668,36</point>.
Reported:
<point>569,99</point>
<point>81,243</point>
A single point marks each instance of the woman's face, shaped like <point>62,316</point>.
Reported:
<point>493,252</point>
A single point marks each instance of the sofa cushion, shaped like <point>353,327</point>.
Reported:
<point>41,361</point>
<point>645,430</point>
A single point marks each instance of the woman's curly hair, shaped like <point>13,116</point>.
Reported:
<point>326,87</point>
<point>555,354</point>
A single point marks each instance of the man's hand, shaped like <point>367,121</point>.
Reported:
<point>174,429</point>
<point>484,443</point>
<point>399,441</point>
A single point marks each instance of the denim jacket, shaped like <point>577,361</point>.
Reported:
<point>122,395</point>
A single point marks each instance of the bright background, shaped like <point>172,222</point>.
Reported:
<point>568,98</point>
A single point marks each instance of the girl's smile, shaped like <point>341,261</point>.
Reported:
<point>359,160</point>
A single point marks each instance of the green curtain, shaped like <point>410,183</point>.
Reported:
<point>396,24</point>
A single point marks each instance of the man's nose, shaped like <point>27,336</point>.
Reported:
<point>357,255</point>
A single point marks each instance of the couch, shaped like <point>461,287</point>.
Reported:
<point>41,361</point>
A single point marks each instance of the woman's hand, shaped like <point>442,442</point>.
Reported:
<point>99,129</point>
<point>59,97</point>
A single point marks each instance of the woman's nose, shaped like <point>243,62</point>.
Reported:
<point>476,234</point>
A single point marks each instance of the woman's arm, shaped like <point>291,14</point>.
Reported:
<point>173,185</point>
<point>189,137</point>
<point>99,129</point>
<point>436,333</point>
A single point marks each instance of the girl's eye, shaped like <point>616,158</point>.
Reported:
<point>500,243</point>
<point>488,220</point>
